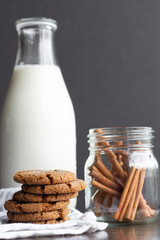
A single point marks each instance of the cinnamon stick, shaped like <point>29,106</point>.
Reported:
<point>93,167</point>
<point>143,207</point>
<point>131,203</point>
<point>110,198</point>
<point>98,151</point>
<point>129,194</point>
<point>106,189</point>
<point>109,201</point>
<point>113,160</point>
<point>98,200</point>
<point>151,211</point>
<point>122,156</point>
<point>138,194</point>
<point>118,143</point>
<point>102,168</point>
<point>105,181</point>
<point>119,182</point>
<point>101,142</point>
<point>124,193</point>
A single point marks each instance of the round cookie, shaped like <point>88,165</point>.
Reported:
<point>68,187</point>
<point>43,177</point>
<point>59,220</point>
<point>16,207</point>
<point>40,216</point>
<point>27,197</point>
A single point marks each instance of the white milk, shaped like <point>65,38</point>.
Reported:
<point>37,123</point>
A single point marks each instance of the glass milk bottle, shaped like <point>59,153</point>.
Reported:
<point>37,118</point>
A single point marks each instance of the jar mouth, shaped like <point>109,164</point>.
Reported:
<point>133,137</point>
<point>36,22</point>
<point>123,129</point>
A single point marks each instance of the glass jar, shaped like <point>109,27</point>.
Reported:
<point>122,175</point>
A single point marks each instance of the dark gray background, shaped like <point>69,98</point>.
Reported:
<point>109,53</point>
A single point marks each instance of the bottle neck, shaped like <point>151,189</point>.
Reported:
<point>36,46</point>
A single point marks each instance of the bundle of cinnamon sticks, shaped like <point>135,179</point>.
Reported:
<point>119,182</point>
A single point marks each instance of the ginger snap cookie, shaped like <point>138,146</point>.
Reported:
<point>42,198</point>
<point>43,177</point>
<point>38,216</point>
<point>17,207</point>
<point>68,187</point>
<point>54,221</point>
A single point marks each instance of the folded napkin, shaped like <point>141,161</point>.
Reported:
<point>79,223</point>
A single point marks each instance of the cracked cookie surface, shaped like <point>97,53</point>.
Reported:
<point>68,187</point>
<point>39,216</point>
<point>16,207</point>
<point>43,177</point>
<point>42,198</point>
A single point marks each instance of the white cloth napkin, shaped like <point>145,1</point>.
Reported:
<point>79,223</point>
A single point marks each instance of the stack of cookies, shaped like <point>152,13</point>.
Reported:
<point>45,196</point>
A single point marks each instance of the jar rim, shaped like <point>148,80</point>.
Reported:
<point>36,21</point>
<point>123,129</point>
<point>129,136</point>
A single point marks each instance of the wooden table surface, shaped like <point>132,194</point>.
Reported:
<point>116,232</point>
